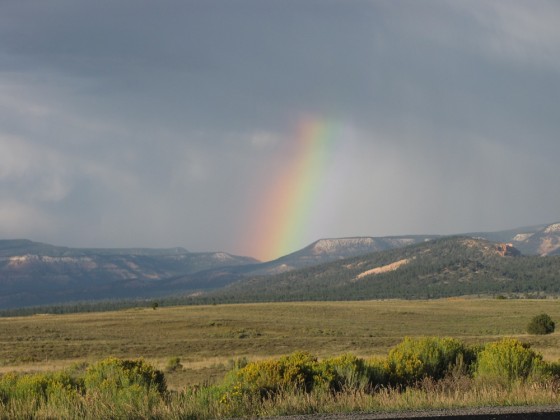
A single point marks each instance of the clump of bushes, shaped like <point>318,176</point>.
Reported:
<point>115,388</point>
<point>114,374</point>
<point>508,361</point>
<point>37,389</point>
<point>297,371</point>
<point>346,371</point>
<point>122,387</point>
<point>540,325</point>
<point>300,372</point>
<point>409,363</point>
<point>428,357</point>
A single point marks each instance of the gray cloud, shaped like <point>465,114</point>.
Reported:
<point>163,123</point>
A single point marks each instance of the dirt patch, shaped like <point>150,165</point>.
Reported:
<point>383,269</point>
<point>548,246</point>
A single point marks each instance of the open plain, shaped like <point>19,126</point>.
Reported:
<point>209,339</point>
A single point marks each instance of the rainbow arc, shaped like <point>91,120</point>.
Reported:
<point>289,204</point>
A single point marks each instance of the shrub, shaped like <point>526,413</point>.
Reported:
<point>126,388</point>
<point>267,377</point>
<point>553,368</point>
<point>541,324</point>
<point>508,361</point>
<point>415,359</point>
<point>39,388</point>
<point>238,363</point>
<point>302,372</point>
<point>173,364</point>
<point>112,388</point>
<point>113,374</point>
<point>15,387</point>
<point>376,369</point>
<point>341,372</point>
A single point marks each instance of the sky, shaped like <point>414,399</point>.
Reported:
<point>256,127</point>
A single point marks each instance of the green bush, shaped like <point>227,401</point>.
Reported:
<point>415,359</point>
<point>39,388</point>
<point>409,362</point>
<point>540,325</point>
<point>342,372</point>
<point>508,361</point>
<point>173,364</point>
<point>113,373</point>
<point>553,368</point>
<point>111,388</point>
<point>267,377</point>
<point>127,388</point>
<point>302,372</point>
<point>238,363</point>
<point>376,368</point>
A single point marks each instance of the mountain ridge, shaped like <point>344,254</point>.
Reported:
<point>34,273</point>
<point>443,267</point>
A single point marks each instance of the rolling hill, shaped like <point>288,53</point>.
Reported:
<point>33,273</point>
<point>450,266</point>
<point>327,250</point>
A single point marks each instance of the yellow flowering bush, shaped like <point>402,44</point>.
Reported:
<point>300,371</point>
<point>508,360</point>
<point>414,359</point>
<point>113,374</point>
<point>127,387</point>
<point>295,371</point>
<point>39,388</point>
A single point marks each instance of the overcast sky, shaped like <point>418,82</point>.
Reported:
<point>164,123</point>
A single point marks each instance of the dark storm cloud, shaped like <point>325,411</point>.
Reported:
<point>157,123</point>
<point>242,61</point>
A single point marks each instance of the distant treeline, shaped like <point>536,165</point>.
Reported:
<point>114,305</point>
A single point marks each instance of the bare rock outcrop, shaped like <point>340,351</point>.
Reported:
<point>507,250</point>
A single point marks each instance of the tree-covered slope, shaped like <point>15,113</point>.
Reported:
<point>442,267</point>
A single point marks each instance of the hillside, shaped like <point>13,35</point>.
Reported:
<point>33,273</point>
<point>319,252</point>
<point>449,266</point>
<point>327,250</point>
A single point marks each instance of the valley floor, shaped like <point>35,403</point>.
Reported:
<point>209,339</point>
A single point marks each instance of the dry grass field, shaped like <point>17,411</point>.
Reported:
<point>208,339</point>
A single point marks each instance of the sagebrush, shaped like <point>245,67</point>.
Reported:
<point>417,373</point>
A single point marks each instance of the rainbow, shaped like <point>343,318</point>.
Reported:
<point>289,204</point>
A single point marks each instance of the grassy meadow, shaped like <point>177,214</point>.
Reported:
<point>208,339</point>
